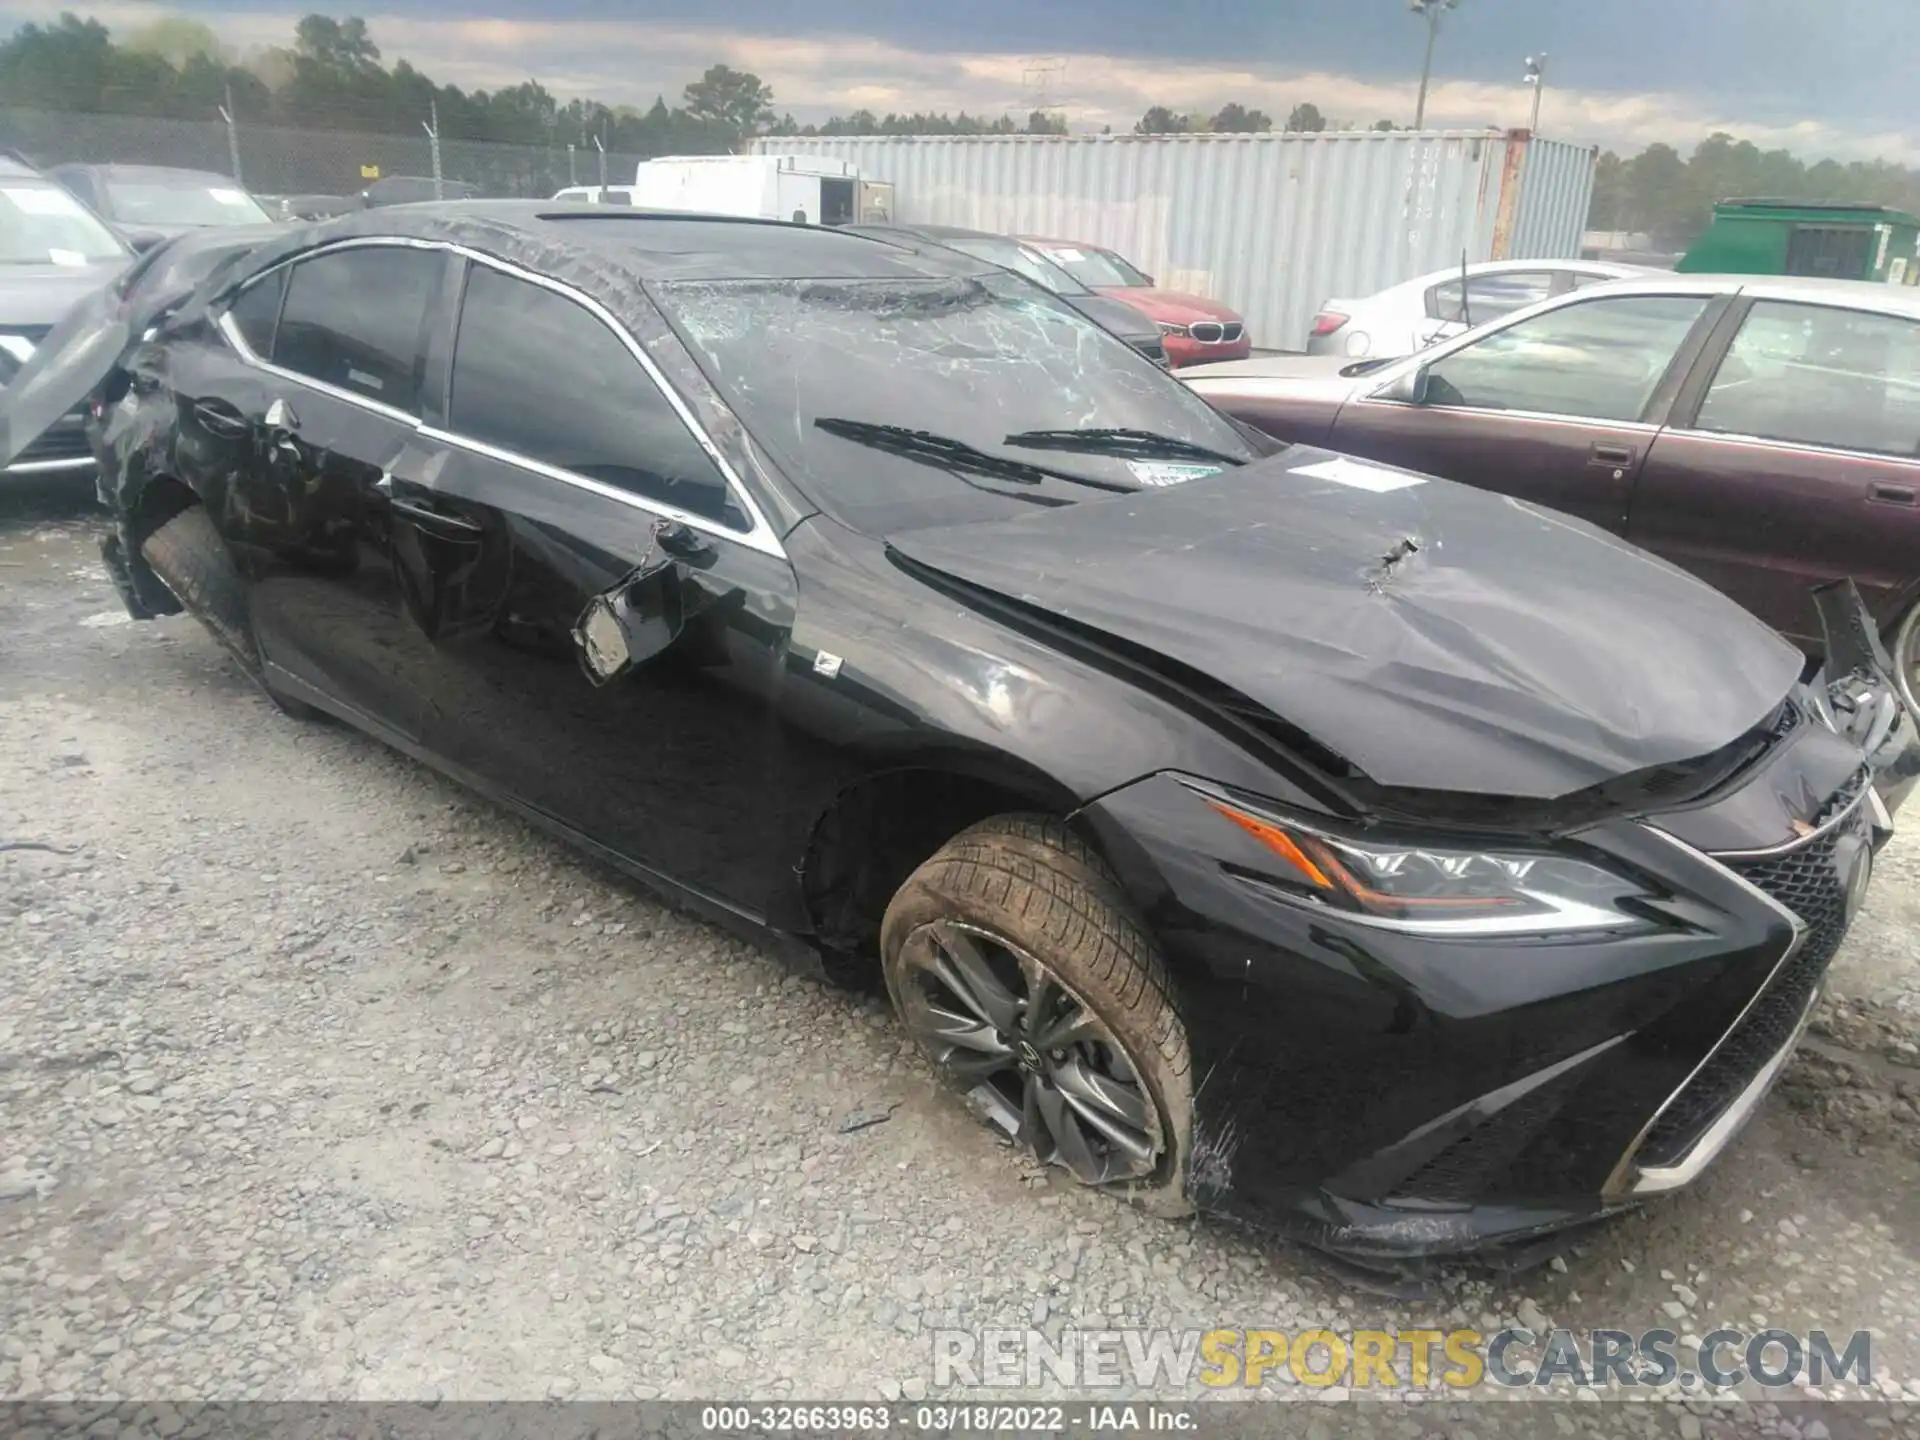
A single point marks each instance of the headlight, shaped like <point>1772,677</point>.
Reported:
<point>1444,889</point>
<point>1166,329</point>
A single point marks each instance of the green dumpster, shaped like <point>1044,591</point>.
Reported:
<point>1794,237</point>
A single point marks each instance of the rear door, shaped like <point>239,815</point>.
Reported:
<point>339,342</point>
<point>566,471</point>
<point>1792,460</point>
<point>1558,407</point>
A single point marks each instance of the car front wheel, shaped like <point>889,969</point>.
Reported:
<point>1906,659</point>
<point>1020,969</point>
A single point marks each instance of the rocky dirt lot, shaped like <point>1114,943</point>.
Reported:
<point>321,1079</point>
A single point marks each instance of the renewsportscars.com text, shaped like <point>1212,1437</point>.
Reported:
<point>1395,1359</point>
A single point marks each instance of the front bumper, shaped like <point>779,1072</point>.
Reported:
<point>63,450</point>
<point>1185,350</point>
<point>1392,1096</point>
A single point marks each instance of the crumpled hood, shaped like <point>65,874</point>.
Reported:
<point>1512,652</point>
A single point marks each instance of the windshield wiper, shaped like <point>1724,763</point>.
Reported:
<point>1138,444</point>
<point>956,454</point>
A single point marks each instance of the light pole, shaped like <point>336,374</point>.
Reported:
<point>1430,11</point>
<point>1536,77</point>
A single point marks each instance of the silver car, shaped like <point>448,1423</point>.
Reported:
<point>1411,316</point>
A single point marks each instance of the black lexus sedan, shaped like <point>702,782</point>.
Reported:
<point>1311,841</point>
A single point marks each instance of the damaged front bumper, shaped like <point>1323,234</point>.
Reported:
<point>1390,1096</point>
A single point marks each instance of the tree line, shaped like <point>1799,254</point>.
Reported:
<point>1671,198</point>
<point>333,77</point>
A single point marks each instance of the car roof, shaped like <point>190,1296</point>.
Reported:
<point>1063,244</point>
<point>1516,267</point>
<point>1809,290</point>
<point>559,237</point>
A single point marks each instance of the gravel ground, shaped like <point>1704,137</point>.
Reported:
<point>321,1079</point>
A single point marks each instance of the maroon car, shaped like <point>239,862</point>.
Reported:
<point>1762,433</point>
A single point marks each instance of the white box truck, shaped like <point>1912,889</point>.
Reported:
<point>802,188</point>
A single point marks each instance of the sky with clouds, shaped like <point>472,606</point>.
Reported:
<point>1821,77</point>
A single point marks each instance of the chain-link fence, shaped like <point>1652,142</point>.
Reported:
<point>273,160</point>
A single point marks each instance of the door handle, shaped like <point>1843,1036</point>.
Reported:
<point>1891,494</point>
<point>1605,454</point>
<point>437,521</point>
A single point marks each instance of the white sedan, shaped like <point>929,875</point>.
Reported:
<point>1411,316</point>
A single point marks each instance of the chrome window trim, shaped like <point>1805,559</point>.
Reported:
<point>1372,397</point>
<point>231,329</point>
<point>1769,442</point>
<point>49,467</point>
<point>758,536</point>
<point>1622,1182</point>
<point>1800,842</point>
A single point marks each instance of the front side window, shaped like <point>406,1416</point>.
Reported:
<point>1816,375</point>
<point>41,224</point>
<point>357,319</point>
<point>836,377</point>
<point>541,376</point>
<point>1596,360</point>
<point>1487,297</point>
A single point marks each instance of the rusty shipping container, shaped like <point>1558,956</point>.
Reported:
<point>1269,224</point>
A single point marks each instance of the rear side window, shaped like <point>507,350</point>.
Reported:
<point>357,319</point>
<point>1488,297</point>
<point>541,376</point>
<point>1817,375</point>
<point>256,313</point>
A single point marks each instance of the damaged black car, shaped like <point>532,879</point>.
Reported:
<point>1305,840</point>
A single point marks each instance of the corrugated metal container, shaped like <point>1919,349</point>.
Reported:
<point>1269,224</point>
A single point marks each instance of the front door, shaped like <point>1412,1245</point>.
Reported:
<point>338,366</point>
<point>1798,463</point>
<point>1558,408</point>
<point>550,487</point>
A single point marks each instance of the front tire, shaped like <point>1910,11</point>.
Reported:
<point>1906,660</point>
<point>1017,964</point>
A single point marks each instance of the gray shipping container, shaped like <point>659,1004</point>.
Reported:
<point>1269,224</point>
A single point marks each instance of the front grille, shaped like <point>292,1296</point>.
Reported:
<point>1809,883</point>
<point>1469,1168</point>
<point>1215,332</point>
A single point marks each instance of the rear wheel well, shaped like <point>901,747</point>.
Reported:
<point>159,500</point>
<point>876,834</point>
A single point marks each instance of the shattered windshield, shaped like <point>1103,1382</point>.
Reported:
<point>971,360</point>
<point>43,225</point>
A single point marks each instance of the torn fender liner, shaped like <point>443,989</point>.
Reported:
<point>1514,651</point>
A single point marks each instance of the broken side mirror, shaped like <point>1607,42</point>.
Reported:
<point>1409,387</point>
<point>631,623</point>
